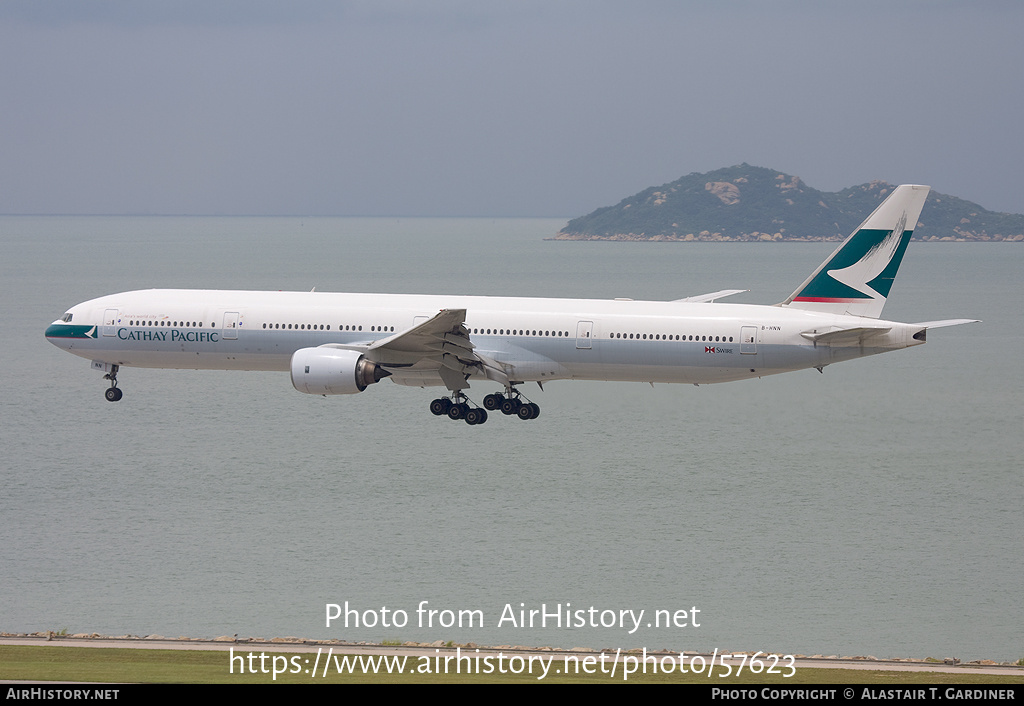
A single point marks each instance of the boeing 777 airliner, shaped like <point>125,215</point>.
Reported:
<point>339,344</point>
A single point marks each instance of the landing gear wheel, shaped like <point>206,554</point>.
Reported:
<point>511,406</point>
<point>528,411</point>
<point>458,411</point>
<point>476,416</point>
<point>493,401</point>
<point>440,406</point>
<point>112,393</point>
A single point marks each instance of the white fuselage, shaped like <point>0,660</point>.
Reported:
<point>533,339</point>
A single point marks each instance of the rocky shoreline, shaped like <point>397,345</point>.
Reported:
<point>756,237</point>
<point>733,204</point>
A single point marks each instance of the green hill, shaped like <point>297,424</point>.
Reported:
<point>745,203</point>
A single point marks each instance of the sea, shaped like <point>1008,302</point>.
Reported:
<point>876,509</point>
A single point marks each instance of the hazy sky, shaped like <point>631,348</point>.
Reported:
<point>469,107</point>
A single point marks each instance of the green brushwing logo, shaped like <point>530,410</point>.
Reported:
<point>864,268</point>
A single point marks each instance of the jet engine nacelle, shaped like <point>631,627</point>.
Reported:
<point>333,371</point>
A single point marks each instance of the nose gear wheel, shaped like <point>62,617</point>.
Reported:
<point>112,393</point>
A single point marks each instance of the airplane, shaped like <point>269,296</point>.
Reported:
<point>340,344</point>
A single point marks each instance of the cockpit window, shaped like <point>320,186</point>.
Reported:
<point>66,318</point>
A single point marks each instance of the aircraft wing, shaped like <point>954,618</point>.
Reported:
<point>444,331</point>
<point>436,348</point>
<point>712,296</point>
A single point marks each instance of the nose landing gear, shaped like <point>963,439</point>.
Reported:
<point>112,393</point>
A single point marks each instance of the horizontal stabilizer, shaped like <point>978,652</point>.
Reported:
<point>947,322</point>
<point>856,333</point>
<point>712,296</point>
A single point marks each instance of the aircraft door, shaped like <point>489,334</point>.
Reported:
<point>584,331</point>
<point>230,325</point>
<point>748,340</point>
<point>109,325</point>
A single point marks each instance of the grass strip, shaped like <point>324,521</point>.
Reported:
<point>125,665</point>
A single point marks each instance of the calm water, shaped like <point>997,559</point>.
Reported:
<point>875,509</point>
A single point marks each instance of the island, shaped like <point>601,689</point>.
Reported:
<point>744,203</point>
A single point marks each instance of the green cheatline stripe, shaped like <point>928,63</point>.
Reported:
<point>70,331</point>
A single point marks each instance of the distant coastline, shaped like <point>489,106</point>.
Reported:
<point>748,204</point>
<point>706,237</point>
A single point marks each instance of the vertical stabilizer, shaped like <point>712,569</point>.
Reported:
<point>857,277</point>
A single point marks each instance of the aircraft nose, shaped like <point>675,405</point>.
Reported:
<point>57,334</point>
<point>63,335</point>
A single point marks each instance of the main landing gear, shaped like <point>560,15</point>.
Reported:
<point>112,393</point>
<point>511,403</point>
<point>457,407</point>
